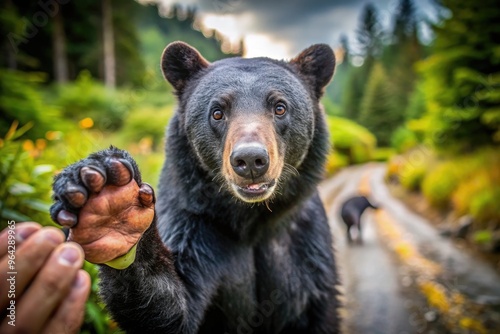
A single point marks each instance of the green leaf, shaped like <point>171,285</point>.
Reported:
<point>13,214</point>
<point>95,315</point>
<point>43,169</point>
<point>482,236</point>
<point>36,204</point>
<point>19,188</point>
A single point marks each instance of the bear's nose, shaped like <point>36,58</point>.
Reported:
<point>250,161</point>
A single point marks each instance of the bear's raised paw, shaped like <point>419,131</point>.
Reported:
<point>104,203</point>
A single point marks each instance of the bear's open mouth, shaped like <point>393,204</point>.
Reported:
<point>255,192</point>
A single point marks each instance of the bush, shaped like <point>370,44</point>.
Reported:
<point>383,154</point>
<point>334,162</point>
<point>410,168</point>
<point>394,167</point>
<point>20,100</point>
<point>351,140</point>
<point>471,183</point>
<point>147,122</point>
<point>403,139</point>
<point>87,98</point>
<point>25,190</point>
<point>484,206</point>
<point>411,178</point>
<point>24,184</point>
<point>479,192</point>
<point>439,184</point>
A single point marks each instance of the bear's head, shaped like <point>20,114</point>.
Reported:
<point>251,122</point>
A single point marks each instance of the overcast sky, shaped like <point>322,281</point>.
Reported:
<point>282,28</point>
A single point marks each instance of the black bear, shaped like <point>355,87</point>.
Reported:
<point>237,240</point>
<point>351,212</point>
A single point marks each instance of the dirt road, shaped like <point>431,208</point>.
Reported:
<point>404,277</point>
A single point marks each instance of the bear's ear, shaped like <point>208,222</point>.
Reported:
<point>316,64</point>
<point>179,62</point>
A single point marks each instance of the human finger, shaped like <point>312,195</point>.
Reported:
<point>69,315</point>
<point>19,233</point>
<point>47,291</point>
<point>28,258</point>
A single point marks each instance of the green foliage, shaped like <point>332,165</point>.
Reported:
<point>479,190</point>
<point>330,107</point>
<point>440,183</point>
<point>410,167</point>
<point>416,107</point>
<point>20,100</point>
<point>26,172</point>
<point>471,183</point>
<point>376,113</point>
<point>350,140</point>
<point>484,206</point>
<point>87,97</point>
<point>405,22</point>
<point>334,162</point>
<point>413,177</point>
<point>97,319</point>
<point>403,139</point>
<point>379,93</point>
<point>369,33</point>
<point>482,237</point>
<point>24,184</point>
<point>130,65</point>
<point>383,154</point>
<point>462,77</point>
<point>353,91</point>
<point>151,165</point>
<point>468,184</point>
<point>400,56</point>
<point>147,122</point>
<point>343,69</point>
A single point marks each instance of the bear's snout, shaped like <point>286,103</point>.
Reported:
<point>250,161</point>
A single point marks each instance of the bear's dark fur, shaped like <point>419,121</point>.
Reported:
<point>229,258</point>
<point>351,212</point>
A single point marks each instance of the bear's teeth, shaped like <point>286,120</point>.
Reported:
<point>257,186</point>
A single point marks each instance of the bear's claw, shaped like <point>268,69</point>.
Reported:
<point>94,178</point>
<point>119,171</point>
<point>75,195</point>
<point>66,218</point>
<point>146,195</point>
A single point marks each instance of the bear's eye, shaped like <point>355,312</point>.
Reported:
<point>217,114</point>
<point>280,109</point>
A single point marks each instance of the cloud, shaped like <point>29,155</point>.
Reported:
<point>292,24</point>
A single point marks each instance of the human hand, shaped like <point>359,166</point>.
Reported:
<point>50,288</point>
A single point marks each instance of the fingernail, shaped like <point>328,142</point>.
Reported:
<point>23,234</point>
<point>69,256</point>
<point>79,280</point>
<point>52,236</point>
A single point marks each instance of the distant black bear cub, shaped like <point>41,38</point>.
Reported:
<point>237,240</point>
<point>351,212</point>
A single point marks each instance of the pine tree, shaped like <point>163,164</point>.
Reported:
<point>344,45</point>
<point>462,77</point>
<point>369,33</point>
<point>405,22</point>
<point>369,37</point>
<point>343,69</point>
<point>399,59</point>
<point>375,107</point>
